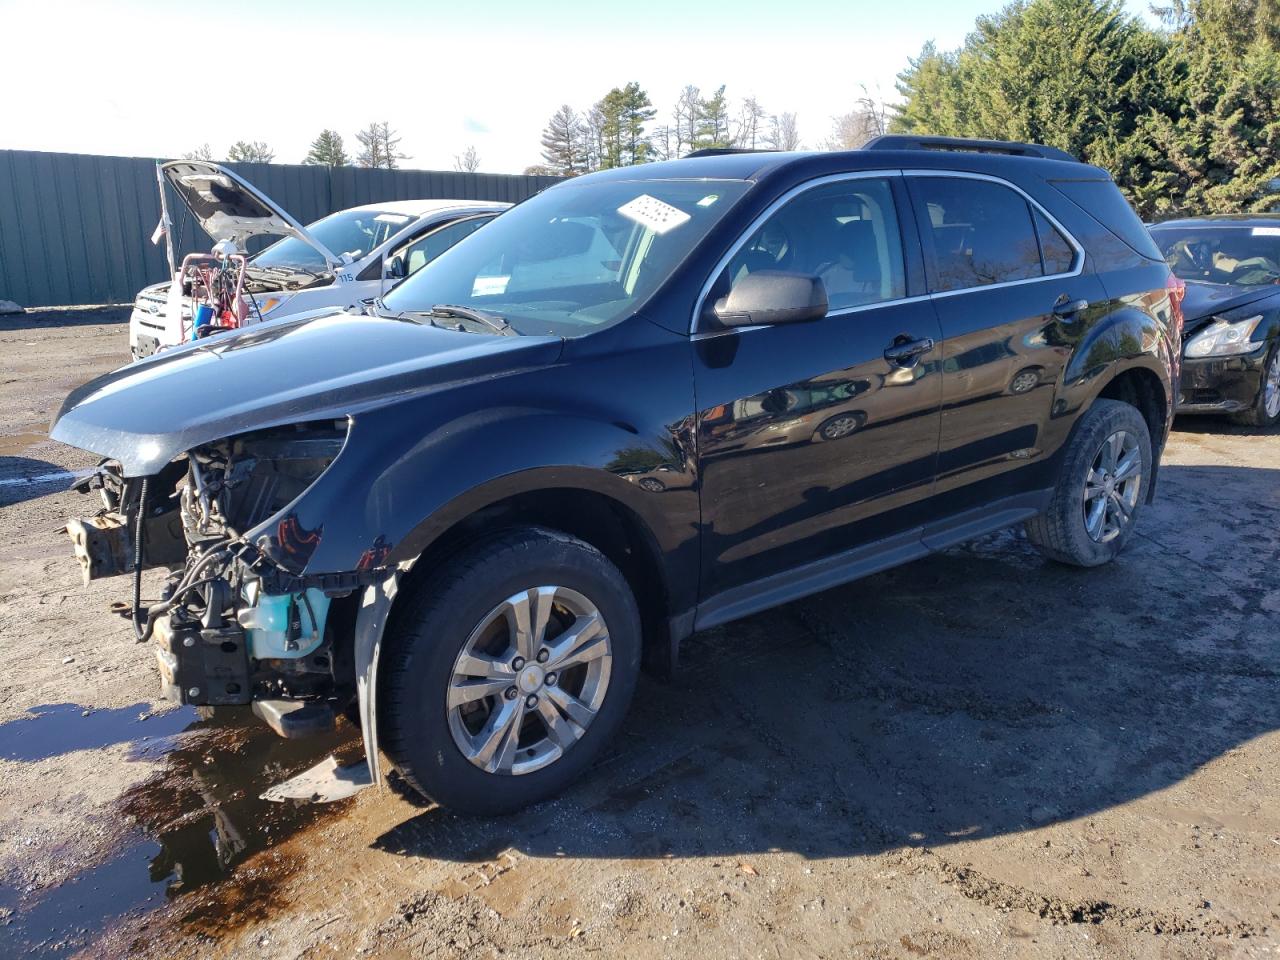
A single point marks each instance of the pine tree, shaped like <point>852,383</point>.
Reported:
<point>712,129</point>
<point>327,150</point>
<point>562,143</point>
<point>636,112</point>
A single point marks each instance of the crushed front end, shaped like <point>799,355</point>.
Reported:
<point>232,626</point>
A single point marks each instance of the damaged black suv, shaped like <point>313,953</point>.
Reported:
<point>643,403</point>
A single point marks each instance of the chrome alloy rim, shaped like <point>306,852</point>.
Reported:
<point>1111,489</point>
<point>840,427</point>
<point>1271,385</point>
<point>529,681</point>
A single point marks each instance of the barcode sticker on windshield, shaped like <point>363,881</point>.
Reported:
<point>653,213</point>
<point>1266,231</point>
<point>391,218</point>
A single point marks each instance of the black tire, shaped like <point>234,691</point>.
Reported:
<point>424,641</point>
<point>1060,532</point>
<point>1257,416</point>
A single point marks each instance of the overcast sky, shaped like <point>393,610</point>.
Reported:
<point>156,79</point>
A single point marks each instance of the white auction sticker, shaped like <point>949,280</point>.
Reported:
<point>391,218</point>
<point>489,286</point>
<point>1266,231</point>
<point>653,213</point>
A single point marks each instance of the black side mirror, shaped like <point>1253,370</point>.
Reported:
<point>773,296</point>
<point>394,269</point>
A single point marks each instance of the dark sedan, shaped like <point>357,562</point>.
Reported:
<point>1231,336</point>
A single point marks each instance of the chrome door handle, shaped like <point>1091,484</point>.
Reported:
<point>904,351</point>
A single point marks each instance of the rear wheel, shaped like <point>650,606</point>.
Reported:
<point>510,670</point>
<point>1265,412</point>
<point>1106,470</point>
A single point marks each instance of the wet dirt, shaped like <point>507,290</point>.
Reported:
<point>977,755</point>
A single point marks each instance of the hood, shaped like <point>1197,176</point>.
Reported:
<point>227,207</point>
<point>1204,300</point>
<point>290,371</point>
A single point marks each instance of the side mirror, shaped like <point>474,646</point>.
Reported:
<point>773,296</point>
<point>394,269</point>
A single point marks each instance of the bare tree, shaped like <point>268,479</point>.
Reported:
<point>468,161</point>
<point>202,152</point>
<point>380,147</point>
<point>750,132</point>
<point>685,118</point>
<point>783,132</point>
<point>256,152</point>
<point>867,120</point>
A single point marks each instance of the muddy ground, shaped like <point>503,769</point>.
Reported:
<point>978,755</point>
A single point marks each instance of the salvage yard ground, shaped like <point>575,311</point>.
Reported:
<point>977,755</point>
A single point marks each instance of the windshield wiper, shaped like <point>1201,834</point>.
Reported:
<point>494,322</point>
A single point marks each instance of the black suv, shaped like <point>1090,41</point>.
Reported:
<point>643,403</point>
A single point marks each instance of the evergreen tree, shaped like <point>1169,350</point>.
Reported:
<point>713,122</point>
<point>1077,74</point>
<point>562,143</point>
<point>1223,147</point>
<point>327,150</point>
<point>636,113</point>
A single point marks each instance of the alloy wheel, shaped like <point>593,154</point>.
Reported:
<point>1271,386</point>
<point>840,427</point>
<point>1112,487</point>
<point>529,680</point>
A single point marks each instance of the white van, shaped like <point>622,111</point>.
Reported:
<point>337,261</point>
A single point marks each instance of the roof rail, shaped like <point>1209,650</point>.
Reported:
<point>1013,149</point>
<point>725,151</point>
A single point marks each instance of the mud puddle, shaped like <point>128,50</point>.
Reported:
<point>16,443</point>
<point>191,825</point>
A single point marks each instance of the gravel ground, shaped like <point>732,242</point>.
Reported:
<point>978,755</point>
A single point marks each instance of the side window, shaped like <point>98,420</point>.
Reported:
<point>1057,253</point>
<point>845,233</point>
<point>425,249</point>
<point>978,232</point>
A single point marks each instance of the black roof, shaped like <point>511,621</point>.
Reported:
<point>1224,219</point>
<point>756,165</point>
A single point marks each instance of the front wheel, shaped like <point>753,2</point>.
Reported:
<point>1106,470</point>
<point>1265,412</point>
<point>510,669</point>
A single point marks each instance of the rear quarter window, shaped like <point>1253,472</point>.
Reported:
<point>1103,201</point>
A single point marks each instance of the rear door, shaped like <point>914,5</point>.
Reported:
<point>812,440</point>
<point>1010,290</point>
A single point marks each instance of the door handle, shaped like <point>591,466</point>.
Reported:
<point>1064,307</point>
<point>903,351</point>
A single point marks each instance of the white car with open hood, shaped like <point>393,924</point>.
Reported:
<point>337,261</point>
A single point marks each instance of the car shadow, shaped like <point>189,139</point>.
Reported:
<point>976,693</point>
<point>26,478</point>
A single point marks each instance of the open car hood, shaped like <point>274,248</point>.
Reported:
<point>228,207</point>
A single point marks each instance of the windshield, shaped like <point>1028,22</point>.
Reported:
<point>575,258</point>
<point>1238,255</point>
<point>348,231</point>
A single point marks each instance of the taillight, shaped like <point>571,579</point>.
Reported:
<point>1177,288</point>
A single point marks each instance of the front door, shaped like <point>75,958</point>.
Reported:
<point>815,438</point>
